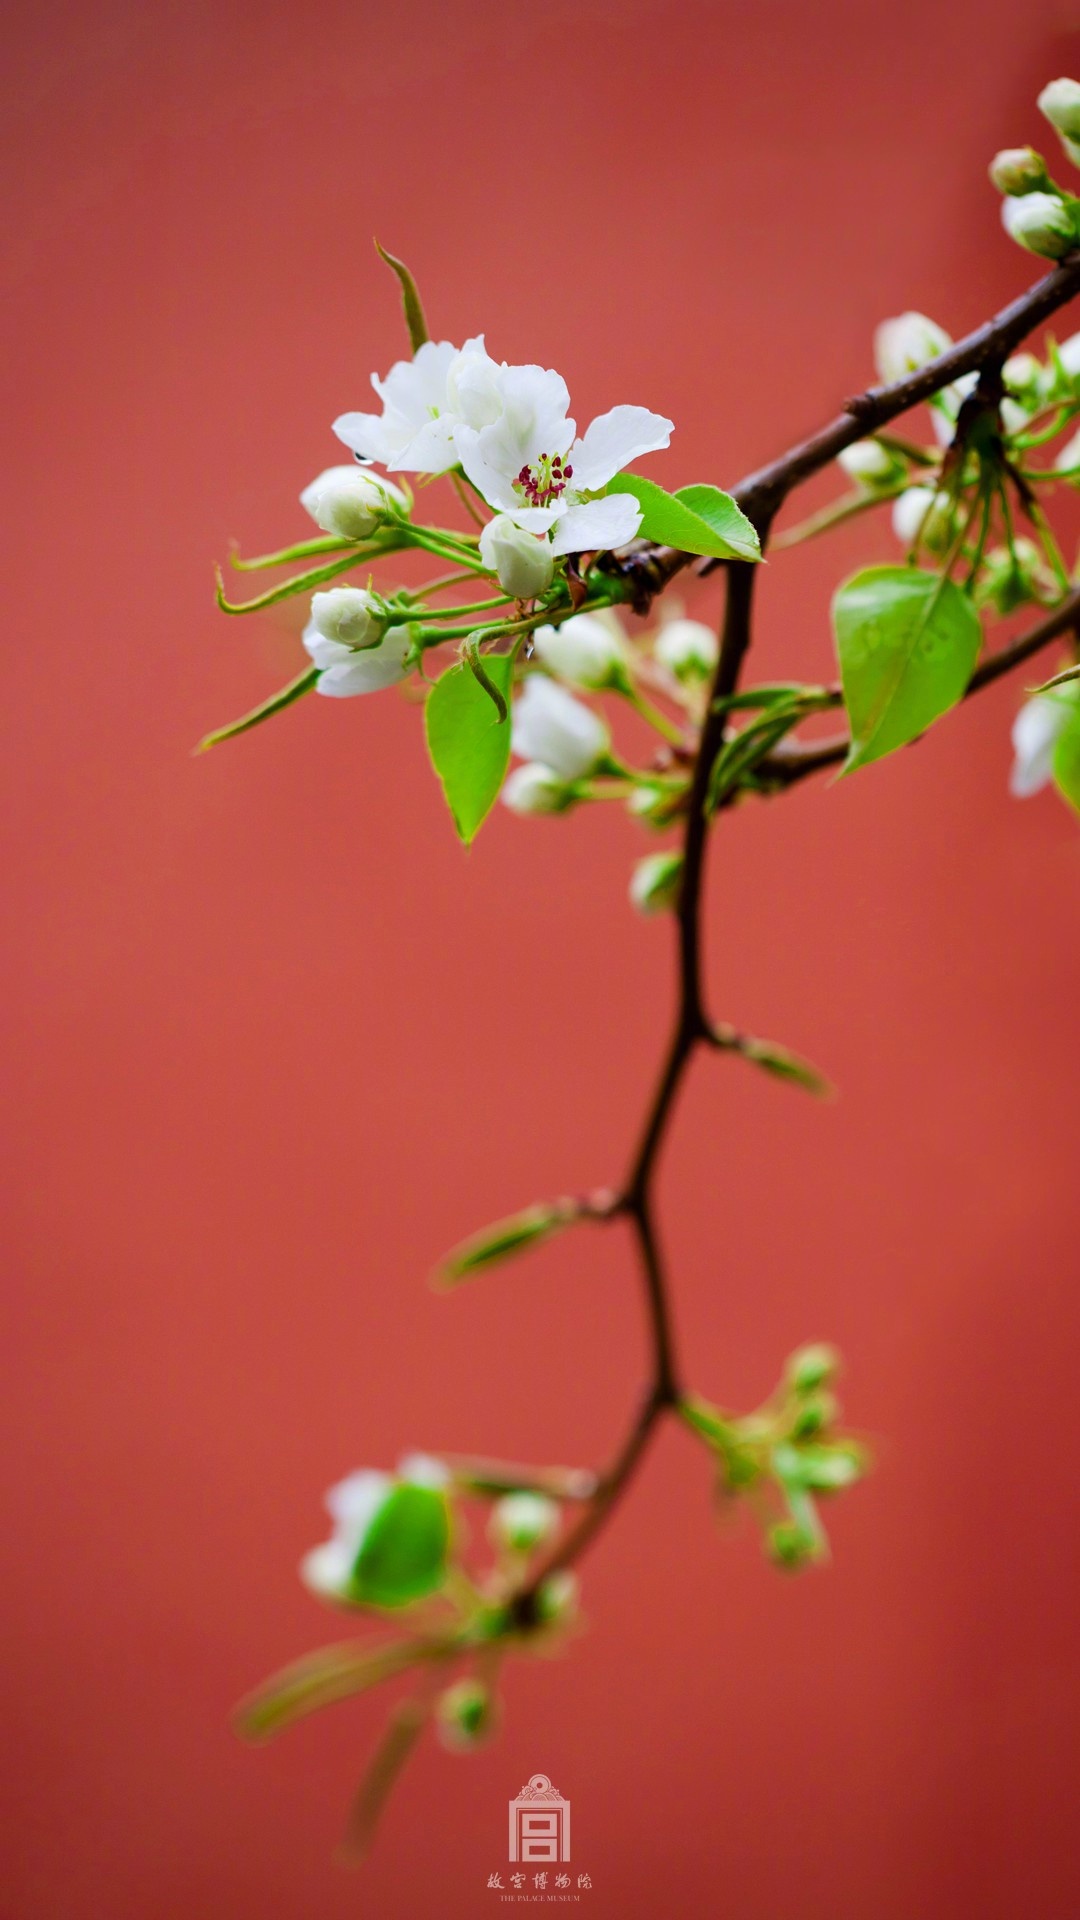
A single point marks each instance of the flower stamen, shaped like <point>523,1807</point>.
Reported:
<point>545,481</point>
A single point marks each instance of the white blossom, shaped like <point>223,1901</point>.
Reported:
<point>523,1520</point>
<point>1035,733</point>
<point>1040,222</point>
<point>549,725</point>
<point>350,614</point>
<point>869,464</point>
<point>688,648</point>
<point>586,650</point>
<point>351,503</point>
<point>920,514</point>
<point>534,788</point>
<point>655,882</point>
<point>529,464</point>
<point>424,399</point>
<point>1059,102</point>
<point>906,343</point>
<point>522,562</point>
<point>343,672</point>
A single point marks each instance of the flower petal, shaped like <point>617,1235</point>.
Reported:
<point>599,524</point>
<point>613,440</point>
<point>366,672</point>
<point>494,486</point>
<point>367,435</point>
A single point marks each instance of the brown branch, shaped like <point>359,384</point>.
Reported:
<point>648,570</point>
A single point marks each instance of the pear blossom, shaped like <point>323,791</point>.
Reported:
<point>1040,222</point>
<point>1035,733</point>
<point>423,400</point>
<point>528,463</point>
<point>870,464</point>
<point>534,788</point>
<point>655,882</point>
<point>587,650</point>
<point>550,726</point>
<point>523,1520</point>
<point>343,671</point>
<point>350,614</point>
<point>349,502</point>
<point>522,562</point>
<point>1059,102</point>
<point>352,1505</point>
<point>920,514</point>
<point>688,648</point>
<point>906,343</point>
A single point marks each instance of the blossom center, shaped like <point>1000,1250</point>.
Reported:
<point>545,481</point>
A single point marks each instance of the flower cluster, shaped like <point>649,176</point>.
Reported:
<point>1035,212</point>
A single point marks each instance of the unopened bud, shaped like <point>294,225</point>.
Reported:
<point>522,1521</point>
<point>556,1600</point>
<point>906,343</point>
<point>922,517</point>
<point>1059,102</point>
<point>348,614</point>
<point>586,650</point>
<point>522,563</point>
<point>871,465</point>
<point>656,806</point>
<point>1041,223</point>
<point>1018,170</point>
<point>655,882</point>
<point>1069,459</point>
<point>464,1715</point>
<point>687,648</point>
<point>791,1545</point>
<point>352,502</point>
<point>816,1413</point>
<point>811,1367</point>
<point>533,788</point>
<point>1011,577</point>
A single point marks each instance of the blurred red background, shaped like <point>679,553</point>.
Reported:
<point>275,1040</point>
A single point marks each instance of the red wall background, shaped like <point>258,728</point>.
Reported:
<point>274,1041</point>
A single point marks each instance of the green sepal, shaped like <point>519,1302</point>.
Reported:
<point>277,702</point>
<point>320,1680</point>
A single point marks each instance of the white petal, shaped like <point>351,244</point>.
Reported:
<point>492,484</point>
<point>537,519</point>
<point>613,440</point>
<point>355,1499</point>
<point>423,1470</point>
<point>367,435</point>
<point>599,524</point>
<point>551,726</point>
<point>414,388</point>
<point>1034,736</point>
<point>431,450</point>
<point>326,1570</point>
<point>366,672</point>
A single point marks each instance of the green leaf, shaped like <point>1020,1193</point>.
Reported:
<point>695,520</point>
<point>468,743</point>
<point>410,299</point>
<point>726,518</point>
<point>907,642</point>
<point>276,703</point>
<point>506,1237</point>
<point>403,1556</point>
<point>1066,761</point>
<point>320,1680</point>
<point>785,1065</point>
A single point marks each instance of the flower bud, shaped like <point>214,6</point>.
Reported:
<point>922,517</point>
<point>552,727</point>
<point>811,1367</point>
<point>585,650</point>
<point>348,614</point>
<point>556,1600</point>
<point>791,1545</point>
<point>352,502</point>
<point>656,806</point>
<point>1068,458</point>
<point>687,648</point>
<point>655,882</point>
<point>817,1412</point>
<point>1018,170</point>
<point>464,1715</point>
<point>533,788</point>
<point>522,1521</point>
<point>906,343</point>
<point>1069,355</point>
<point>1059,102</point>
<point>522,563</point>
<point>871,465</point>
<point>1040,222</point>
<point>343,671</point>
